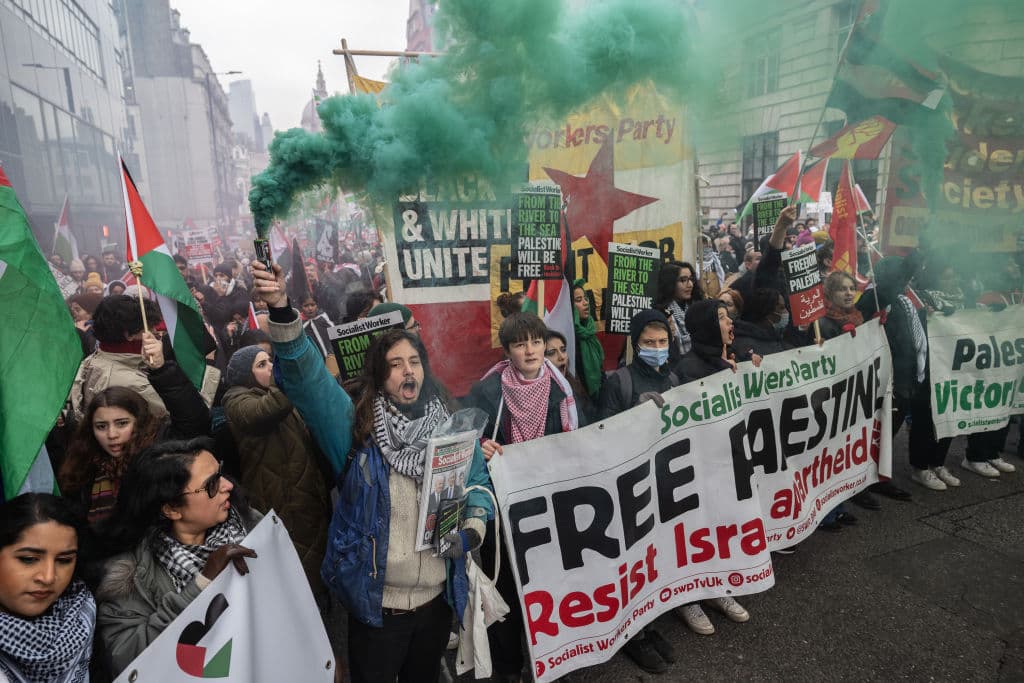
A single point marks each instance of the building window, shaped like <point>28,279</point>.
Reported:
<point>763,73</point>
<point>69,26</point>
<point>760,159</point>
<point>845,13</point>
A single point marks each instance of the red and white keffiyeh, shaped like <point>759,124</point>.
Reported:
<point>526,400</point>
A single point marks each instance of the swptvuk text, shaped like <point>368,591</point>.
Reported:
<point>658,497</point>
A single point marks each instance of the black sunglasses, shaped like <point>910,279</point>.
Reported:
<point>212,485</point>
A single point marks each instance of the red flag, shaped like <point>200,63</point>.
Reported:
<point>253,325</point>
<point>812,181</point>
<point>843,229</point>
<point>863,140</point>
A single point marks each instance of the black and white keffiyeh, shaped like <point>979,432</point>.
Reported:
<point>918,335</point>
<point>403,442</point>
<point>54,646</point>
<point>678,314</point>
<point>183,561</point>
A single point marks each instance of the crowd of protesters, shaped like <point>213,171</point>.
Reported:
<point>162,480</point>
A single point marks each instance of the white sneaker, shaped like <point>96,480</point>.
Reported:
<point>982,468</point>
<point>694,617</point>
<point>730,608</point>
<point>1002,465</point>
<point>946,476</point>
<point>927,479</point>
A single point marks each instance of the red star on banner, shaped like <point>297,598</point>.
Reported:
<point>594,203</point>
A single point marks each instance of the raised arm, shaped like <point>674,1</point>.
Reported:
<point>301,374</point>
<point>190,416</point>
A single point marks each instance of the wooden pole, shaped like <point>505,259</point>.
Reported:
<point>817,334</point>
<point>540,299</point>
<point>136,269</point>
<point>383,53</point>
<point>350,66</point>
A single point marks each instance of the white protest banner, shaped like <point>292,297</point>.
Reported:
<point>198,247</point>
<point>655,508</point>
<point>263,627</point>
<point>976,362</point>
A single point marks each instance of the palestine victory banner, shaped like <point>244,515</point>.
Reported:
<point>976,367</point>
<point>619,169</point>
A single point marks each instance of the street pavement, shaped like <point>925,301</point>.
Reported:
<point>925,590</point>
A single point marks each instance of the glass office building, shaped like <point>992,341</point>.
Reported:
<point>64,115</point>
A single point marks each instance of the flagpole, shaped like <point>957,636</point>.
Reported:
<point>540,299</point>
<point>863,234</point>
<point>134,265</point>
<point>824,107</point>
<point>136,269</point>
<point>56,226</point>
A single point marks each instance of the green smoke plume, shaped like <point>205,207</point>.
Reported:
<point>950,38</point>
<point>509,63</point>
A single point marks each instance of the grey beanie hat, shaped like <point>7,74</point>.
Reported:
<point>240,366</point>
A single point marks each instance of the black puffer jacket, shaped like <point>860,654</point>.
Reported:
<point>760,338</point>
<point>644,379</point>
<point>642,376</point>
<point>892,274</point>
<point>220,310</point>
<point>705,357</point>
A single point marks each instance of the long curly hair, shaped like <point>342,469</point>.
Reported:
<point>85,457</point>
<point>375,374</point>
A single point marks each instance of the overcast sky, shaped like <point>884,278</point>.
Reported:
<point>277,44</point>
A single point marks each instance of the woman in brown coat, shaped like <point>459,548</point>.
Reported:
<point>281,467</point>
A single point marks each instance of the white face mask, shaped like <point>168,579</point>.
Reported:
<point>783,322</point>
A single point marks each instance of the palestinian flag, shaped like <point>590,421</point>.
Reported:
<point>64,243</point>
<point>557,305</point>
<point>177,305</point>
<point>252,322</point>
<point>39,353</point>
<point>863,140</point>
<point>783,180</point>
<point>874,79</point>
<point>812,181</point>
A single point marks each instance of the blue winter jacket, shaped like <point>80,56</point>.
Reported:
<point>354,568</point>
